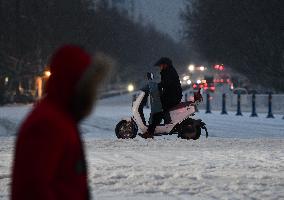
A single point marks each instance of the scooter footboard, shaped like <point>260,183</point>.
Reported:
<point>182,113</point>
<point>164,129</point>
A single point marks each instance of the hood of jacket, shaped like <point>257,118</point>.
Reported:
<point>75,79</point>
<point>67,67</point>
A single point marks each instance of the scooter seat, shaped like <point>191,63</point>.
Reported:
<point>181,105</point>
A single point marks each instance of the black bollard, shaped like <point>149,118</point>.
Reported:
<point>208,107</point>
<point>253,112</point>
<point>270,115</point>
<point>185,97</point>
<point>224,110</point>
<point>239,112</point>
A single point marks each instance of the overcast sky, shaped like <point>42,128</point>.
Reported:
<point>164,14</point>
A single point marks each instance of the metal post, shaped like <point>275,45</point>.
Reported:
<point>185,97</point>
<point>270,115</point>
<point>253,113</point>
<point>224,110</point>
<point>239,113</point>
<point>208,108</point>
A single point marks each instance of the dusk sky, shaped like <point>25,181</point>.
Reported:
<point>164,14</point>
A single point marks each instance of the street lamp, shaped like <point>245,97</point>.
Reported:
<point>202,68</point>
<point>6,80</point>
<point>130,88</point>
<point>191,68</point>
<point>47,73</point>
<point>185,78</point>
<point>188,82</point>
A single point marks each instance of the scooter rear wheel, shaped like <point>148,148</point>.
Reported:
<point>190,130</point>
<point>126,129</point>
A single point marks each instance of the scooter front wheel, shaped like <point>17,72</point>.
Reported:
<point>126,129</point>
<point>190,129</point>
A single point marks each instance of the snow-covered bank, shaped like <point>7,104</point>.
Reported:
<point>11,117</point>
<point>101,123</point>
<point>110,111</point>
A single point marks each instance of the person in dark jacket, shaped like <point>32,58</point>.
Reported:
<point>170,84</point>
<point>152,88</point>
<point>49,161</point>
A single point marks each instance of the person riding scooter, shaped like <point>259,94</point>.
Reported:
<point>157,114</point>
<point>171,93</point>
<point>182,122</point>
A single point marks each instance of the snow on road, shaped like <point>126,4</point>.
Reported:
<point>243,158</point>
<point>177,169</point>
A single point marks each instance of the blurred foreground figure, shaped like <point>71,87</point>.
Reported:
<point>49,160</point>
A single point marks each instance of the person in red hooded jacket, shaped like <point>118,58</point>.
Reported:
<point>49,161</point>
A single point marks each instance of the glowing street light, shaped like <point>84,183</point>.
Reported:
<point>130,88</point>
<point>6,80</point>
<point>198,81</point>
<point>202,68</point>
<point>188,82</point>
<point>185,78</point>
<point>47,73</point>
<point>191,68</point>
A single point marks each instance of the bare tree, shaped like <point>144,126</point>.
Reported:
<point>245,35</point>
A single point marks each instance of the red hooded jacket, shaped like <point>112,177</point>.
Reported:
<point>49,159</point>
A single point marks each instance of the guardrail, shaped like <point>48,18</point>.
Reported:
<point>262,103</point>
<point>270,103</point>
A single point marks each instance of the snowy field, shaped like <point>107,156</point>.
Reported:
<point>243,158</point>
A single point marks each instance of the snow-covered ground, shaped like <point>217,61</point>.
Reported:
<point>242,159</point>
